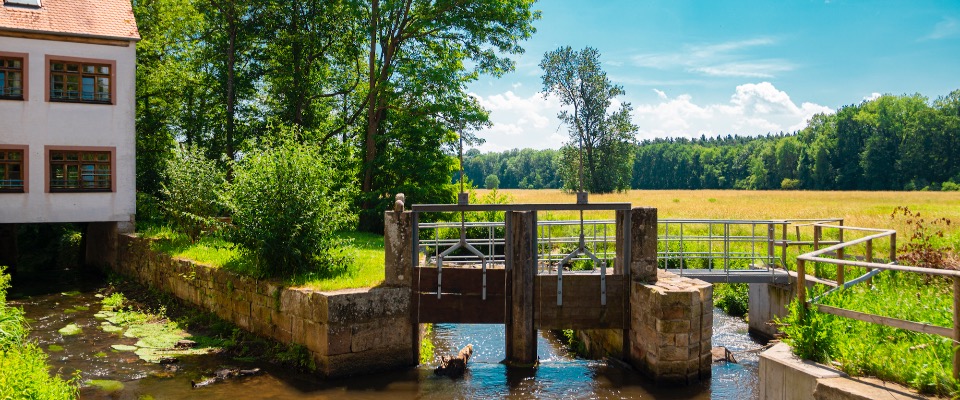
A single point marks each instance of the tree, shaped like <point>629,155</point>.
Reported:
<point>492,182</point>
<point>602,137</point>
<point>312,61</point>
<point>164,71</point>
<point>424,43</point>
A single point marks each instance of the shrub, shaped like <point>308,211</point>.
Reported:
<point>492,182</point>
<point>285,210</point>
<point>191,197</point>
<point>789,184</point>
<point>23,368</point>
<point>950,187</point>
<point>732,298</point>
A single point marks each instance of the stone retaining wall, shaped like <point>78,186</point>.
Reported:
<point>783,376</point>
<point>348,332</point>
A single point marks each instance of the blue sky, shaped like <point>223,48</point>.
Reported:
<point>729,67</point>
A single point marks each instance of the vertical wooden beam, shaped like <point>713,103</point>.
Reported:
<point>817,231</point>
<point>840,271</point>
<point>956,327</point>
<point>802,285</point>
<point>520,329</point>
<point>869,258</point>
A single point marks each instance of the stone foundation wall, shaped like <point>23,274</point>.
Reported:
<point>348,332</point>
<point>601,343</point>
<point>671,329</point>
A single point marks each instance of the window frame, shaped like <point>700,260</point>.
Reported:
<point>24,72</point>
<point>48,180</point>
<point>24,167</point>
<point>112,76</point>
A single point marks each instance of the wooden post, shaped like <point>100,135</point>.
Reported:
<point>817,231</point>
<point>520,331</point>
<point>840,277</point>
<point>956,328</point>
<point>893,247</point>
<point>802,285</point>
<point>869,258</point>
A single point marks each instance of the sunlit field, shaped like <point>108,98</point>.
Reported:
<point>866,209</point>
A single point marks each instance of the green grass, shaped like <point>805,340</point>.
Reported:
<point>365,271</point>
<point>922,361</point>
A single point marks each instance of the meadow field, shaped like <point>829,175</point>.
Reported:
<point>865,209</point>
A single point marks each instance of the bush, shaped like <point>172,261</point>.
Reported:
<point>732,298</point>
<point>492,182</point>
<point>950,187</point>
<point>789,184</point>
<point>191,197</point>
<point>285,211</point>
<point>23,368</point>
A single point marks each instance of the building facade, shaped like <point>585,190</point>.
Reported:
<point>67,111</point>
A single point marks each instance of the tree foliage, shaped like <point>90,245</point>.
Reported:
<point>891,143</point>
<point>191,194</point>
<point>601,138</point>
<point>286,206</point>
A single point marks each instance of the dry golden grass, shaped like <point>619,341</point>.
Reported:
<point>865,209</point>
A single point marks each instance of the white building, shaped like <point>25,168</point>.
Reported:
<point>67,104</point>
<point>67,110</point>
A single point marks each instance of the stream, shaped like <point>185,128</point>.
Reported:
<point>54,303</point>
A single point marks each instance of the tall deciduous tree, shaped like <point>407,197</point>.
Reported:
<point>417,51</point>
<point>602,137</point>
<point>164,72</point>
<point>312,61</point>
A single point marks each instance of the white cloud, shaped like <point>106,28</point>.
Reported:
<point>718,59</point>
<point>754,109</point>
<point>872,96</point>
<point>947,27</point>
<point>520,122</point>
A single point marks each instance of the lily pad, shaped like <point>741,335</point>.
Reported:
<point>81,308</point>
<point>54,348</point>
<point>100,315</point>
<point>71,293</point>
<point>105,385</point>
<point>100,354</point>
<point>71,329</point>
<point>124,347</point>
<point>109,328</point>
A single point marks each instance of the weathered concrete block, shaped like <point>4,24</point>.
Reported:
<point>398,250</point>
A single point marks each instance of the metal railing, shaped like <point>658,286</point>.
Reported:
<point>682,244</point>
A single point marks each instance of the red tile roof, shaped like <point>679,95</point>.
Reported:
<point>95,18</point>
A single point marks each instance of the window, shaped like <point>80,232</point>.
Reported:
<point>28,3</point>
<point>80,171</point>
<point>11,78</point>
<point>11,171</point>
<point>80,82</point>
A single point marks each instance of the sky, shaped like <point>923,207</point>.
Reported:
<point>718,67</point>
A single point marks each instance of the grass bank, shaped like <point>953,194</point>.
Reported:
<point>24,373</point>
<point>365,271</point>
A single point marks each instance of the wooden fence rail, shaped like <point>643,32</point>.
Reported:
<point>818,255</point>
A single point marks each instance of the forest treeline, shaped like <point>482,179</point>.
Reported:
<point>892,142</point>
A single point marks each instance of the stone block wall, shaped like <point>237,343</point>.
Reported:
<point>671,329</point>
<point>348,332</point>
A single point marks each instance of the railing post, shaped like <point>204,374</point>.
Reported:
<point>840,277</point>
<point>817,231</point>
<point>802,286</point>
<point>893,247</point>
<point>869,258</point>
<point>783,246</point>
<point>956,327</point>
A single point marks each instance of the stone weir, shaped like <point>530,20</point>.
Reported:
<point>348,332</point>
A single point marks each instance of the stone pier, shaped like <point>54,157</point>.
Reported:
<point>671,329</point>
